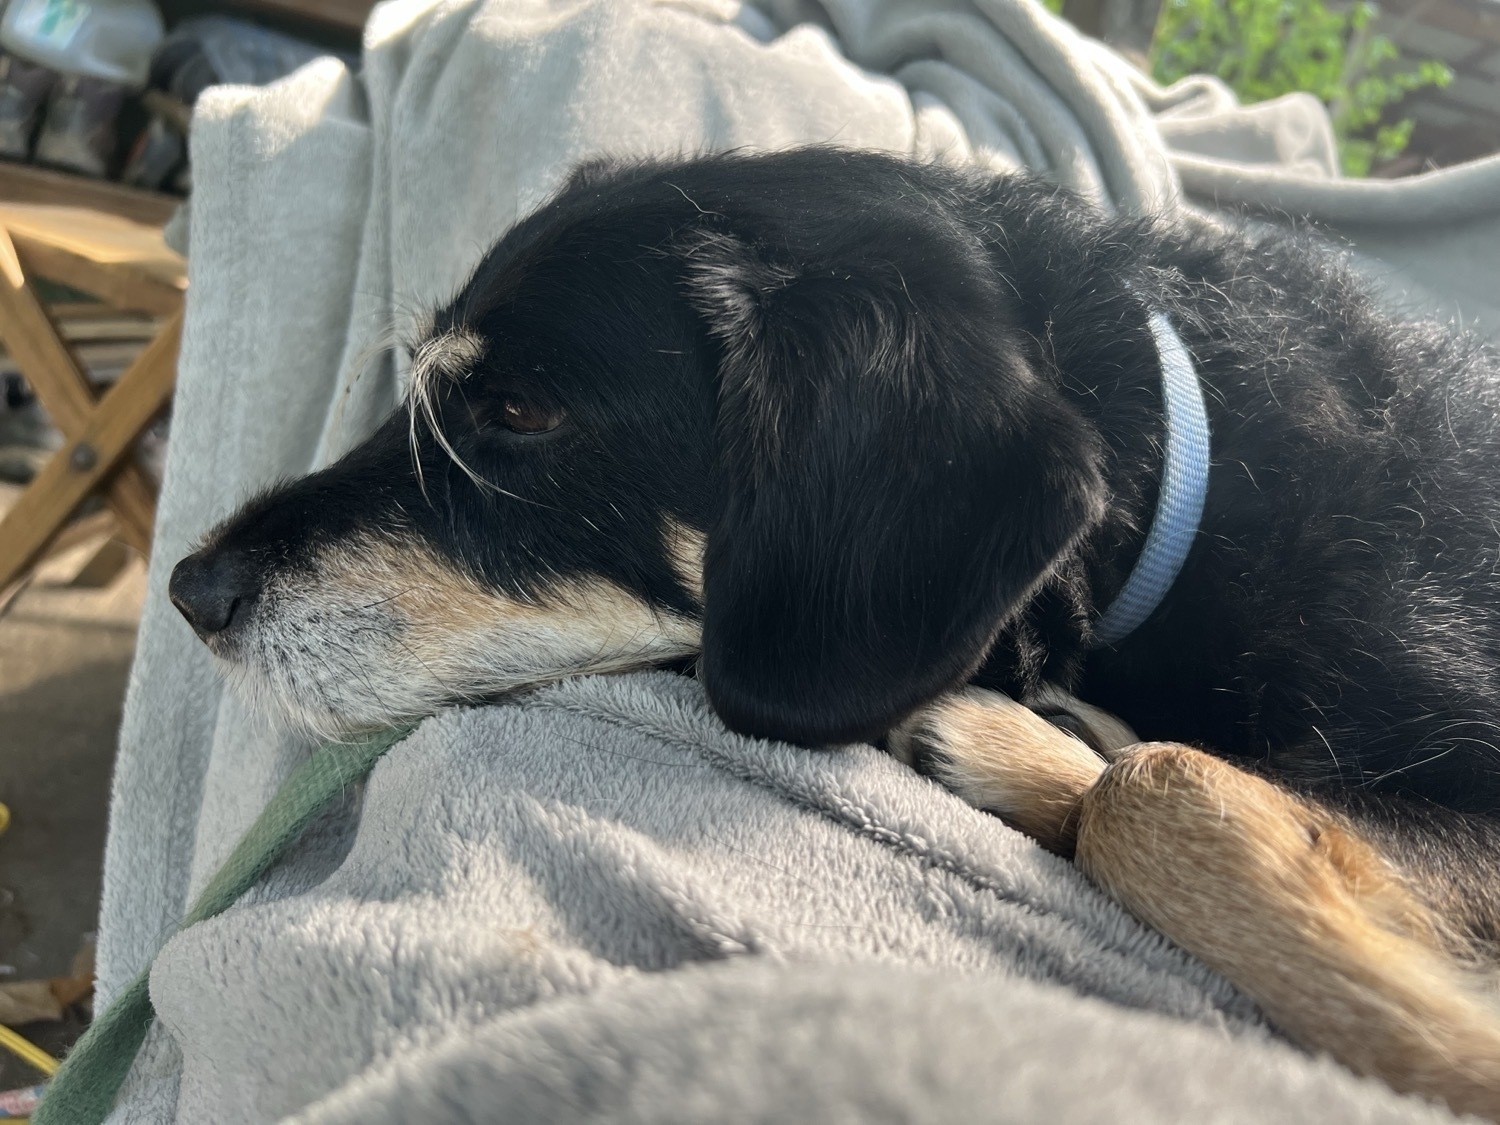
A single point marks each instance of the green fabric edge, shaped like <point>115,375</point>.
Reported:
<point>84,1089</point>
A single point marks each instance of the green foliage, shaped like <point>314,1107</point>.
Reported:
<point>1265,48</point>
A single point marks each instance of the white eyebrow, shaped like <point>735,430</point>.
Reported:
<point>448,355</point>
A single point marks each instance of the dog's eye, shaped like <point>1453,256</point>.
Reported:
<point>521,416</point>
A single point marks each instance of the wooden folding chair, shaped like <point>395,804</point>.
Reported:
<point>129,266</point>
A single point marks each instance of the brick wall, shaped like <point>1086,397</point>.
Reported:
<point>1462,121</point>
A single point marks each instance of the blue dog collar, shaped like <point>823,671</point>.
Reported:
<point>1184,486</point>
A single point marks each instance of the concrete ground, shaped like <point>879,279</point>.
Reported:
<point>64,657</point>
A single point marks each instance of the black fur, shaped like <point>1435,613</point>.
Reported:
<point>916,411</point>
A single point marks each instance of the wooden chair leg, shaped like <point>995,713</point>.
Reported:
<point>102,567</point>
<point>92,452</point>
<point>80,531</point>
<point>56,377</point>
<point>94,526</point>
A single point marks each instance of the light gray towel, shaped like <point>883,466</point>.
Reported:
<point>549,908</point>
<point>602,904</point>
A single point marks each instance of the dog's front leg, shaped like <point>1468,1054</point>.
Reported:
<point>1282,895</point>
<point>1302,911</point>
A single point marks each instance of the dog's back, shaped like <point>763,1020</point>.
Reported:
<point>1339,616</point>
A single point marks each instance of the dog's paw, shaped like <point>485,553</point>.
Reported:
<point>1104,734</point>
<point>1002,757</point>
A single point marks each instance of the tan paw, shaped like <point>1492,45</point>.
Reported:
<point>1003,758</point>
<point>1104,733</point>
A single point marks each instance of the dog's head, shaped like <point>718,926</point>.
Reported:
<point>774,409</point>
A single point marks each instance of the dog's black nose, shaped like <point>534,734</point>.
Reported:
<point>214,590</point>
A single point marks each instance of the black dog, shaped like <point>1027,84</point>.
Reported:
<point>861,431</point>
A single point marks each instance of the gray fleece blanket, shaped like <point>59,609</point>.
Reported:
<point>598,903</point>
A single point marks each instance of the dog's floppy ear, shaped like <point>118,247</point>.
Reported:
<point>898,480</point>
